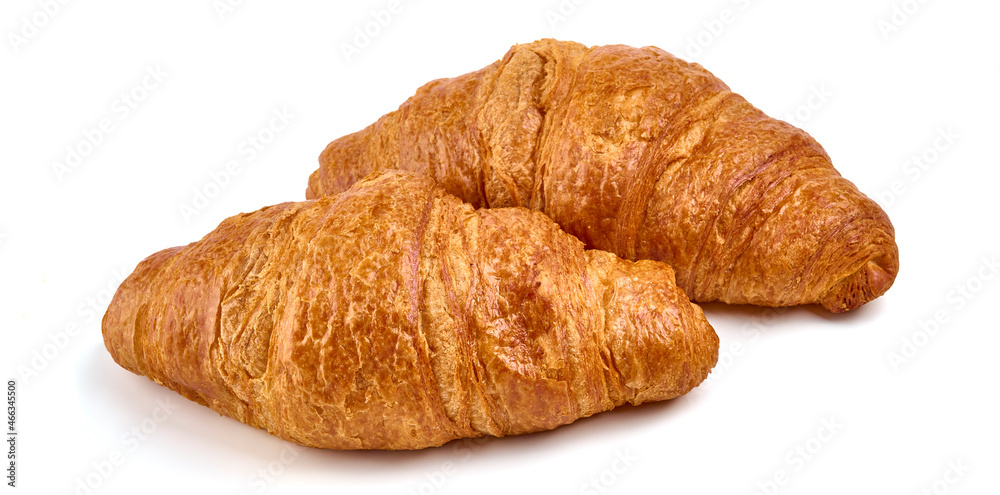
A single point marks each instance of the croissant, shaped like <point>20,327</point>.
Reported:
<point>642,154</point>
<point>395,316</point>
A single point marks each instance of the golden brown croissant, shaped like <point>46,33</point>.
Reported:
<point>637,152</point>
<point>394,316</point>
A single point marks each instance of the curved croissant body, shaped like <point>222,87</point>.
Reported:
<point>639,153</point>
<point>394,316</point>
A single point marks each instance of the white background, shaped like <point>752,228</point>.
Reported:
<point>65,239</point>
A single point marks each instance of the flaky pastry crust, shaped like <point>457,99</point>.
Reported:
<point>395,316</point>
<point>639,153</point>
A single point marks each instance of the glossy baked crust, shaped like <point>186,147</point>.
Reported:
<point>637,152</point>
<point>395,316</point>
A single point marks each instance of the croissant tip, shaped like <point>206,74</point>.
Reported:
<point>867,283</point>
<point>312,189</point>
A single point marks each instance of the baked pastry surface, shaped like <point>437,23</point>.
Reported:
<point>395,316</point>
<point>637,152</point>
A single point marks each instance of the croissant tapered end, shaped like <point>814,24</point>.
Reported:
<point>313,177</point>
<point>870,281</point>
<point>857,259</point>
<point>811,239</point>
<point>660,344</point>
<point>874,257</point>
